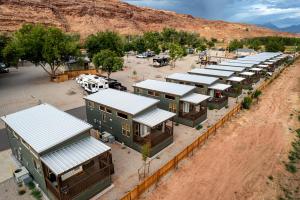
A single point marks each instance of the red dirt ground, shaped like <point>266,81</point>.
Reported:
<point>236,163</point>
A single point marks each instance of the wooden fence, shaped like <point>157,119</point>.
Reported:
<point>173,163</point>
<point>67,75</point>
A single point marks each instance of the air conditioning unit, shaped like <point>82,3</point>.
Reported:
<point>22,175</point>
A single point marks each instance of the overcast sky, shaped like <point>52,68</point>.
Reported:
<point>279,12</point>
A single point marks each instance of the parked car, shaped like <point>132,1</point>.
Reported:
<point>118,86</point>
<point>3,68</point>
<point>160,61</point>
<point>143,55</point>
<point>146,54</point>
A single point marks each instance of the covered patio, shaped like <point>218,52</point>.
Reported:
<point>258,73</point>
<point>154,128</point>
<point>74,169</point>
<point>218,98</point>
<point>237,84</point>
<point>193,109</point>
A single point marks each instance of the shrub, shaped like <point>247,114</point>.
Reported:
<point>36,193</point>
<point>31,185</point>
<point>291,168</point>
<point>199,127</point>
<point>247,102</point>
<point>257,93</point>
<point>299,118</point>
<point>176,124</point>
<point>21,192</point>
<point>270,177</point>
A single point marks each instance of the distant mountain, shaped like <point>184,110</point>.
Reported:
<point>270,26</point>
<point>290,29</point>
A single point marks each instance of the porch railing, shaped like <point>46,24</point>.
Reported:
<point>193,115</point>
<point>218,100</point>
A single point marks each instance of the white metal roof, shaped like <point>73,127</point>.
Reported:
<point>73,155</point>
<point>247,73</point>
<point>244,61</point>
<point>153,117</point>
<point>225,68</point>
<point>235,64</point>
<point>44,126</point>
<point>165,87</point>
<point>236,79</point>
<point>122,101</point>
<point>255,69</point>
<point>195,98</point>
<point>220,86</point>
<point>263,66</point>
<point>193,78</point>
<point>211,72</point>
<point>269,63</point>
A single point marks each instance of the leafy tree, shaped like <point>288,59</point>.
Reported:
<point>140,44</point>
<point>274,46</point>
<point>152,40</point>
<point>235,44</point>
<point>104,40</point>
<point>49,48</point>
<point>100,57</point>
<point>112,64</point>
<point>176,52</point>
<point>108,61</point>
<point>210,44</point>
<point>3,42</point>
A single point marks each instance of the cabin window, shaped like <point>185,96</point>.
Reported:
<point>122,115</point>
<point>186,107</point>
<point>199,86</point>
<point>137,90</point>
<point>221,79</point>
<point>169,97</point>
<point>108,110</point>
<point>181,82</point>
<point>102,108</point>
<point>126,129</point>
<point>88,165</point>
<point>172,107</point>
<point>151,93</point>
<point>157,94</point>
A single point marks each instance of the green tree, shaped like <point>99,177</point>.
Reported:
<point>234,45</point>
<point>100,57</point>
<point>112,64</point>
<point>108,61</point>
<point>152,40</point>
<point>176,52</point>
<point>140,45</point>
<point>274,46</point>
<point>49,48</point>
<point>3,43</point>
<point>104,40</point>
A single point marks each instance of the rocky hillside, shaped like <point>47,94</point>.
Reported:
<point>90,16</point>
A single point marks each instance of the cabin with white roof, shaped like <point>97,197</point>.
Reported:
<point>220,74</point>
<point>132,119</point>
<point>190,107</point>
<point>235,70</point>
<point>58,151</point>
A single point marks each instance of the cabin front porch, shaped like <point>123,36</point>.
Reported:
<point>79,181</point>
<point>192,114</point>
<point>157,137</point>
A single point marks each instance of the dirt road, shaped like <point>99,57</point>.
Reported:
<point>239,161</point>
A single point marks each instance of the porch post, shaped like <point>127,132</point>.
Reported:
<point>58,180</point>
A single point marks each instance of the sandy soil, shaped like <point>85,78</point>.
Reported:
<point>236,163</point>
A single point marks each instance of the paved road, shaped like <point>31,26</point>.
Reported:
<point>77,112</point>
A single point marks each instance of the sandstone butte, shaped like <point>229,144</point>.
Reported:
<point>90,16</point>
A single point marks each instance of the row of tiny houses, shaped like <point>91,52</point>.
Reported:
<point>58,151</point>
<point>132,119</point>
<point>207,85</point>
<point>183,100</point>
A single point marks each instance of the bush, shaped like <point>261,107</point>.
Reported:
<point>176,124</point>
<point>31,185</point>
<point>36,193</point>
<point>299,118</point>
<point>199,127</point>
<point>291,168</point>
<point>247,103</point>
<point>210,107</point>
<point>21,192</point>
<point>257,93</point>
